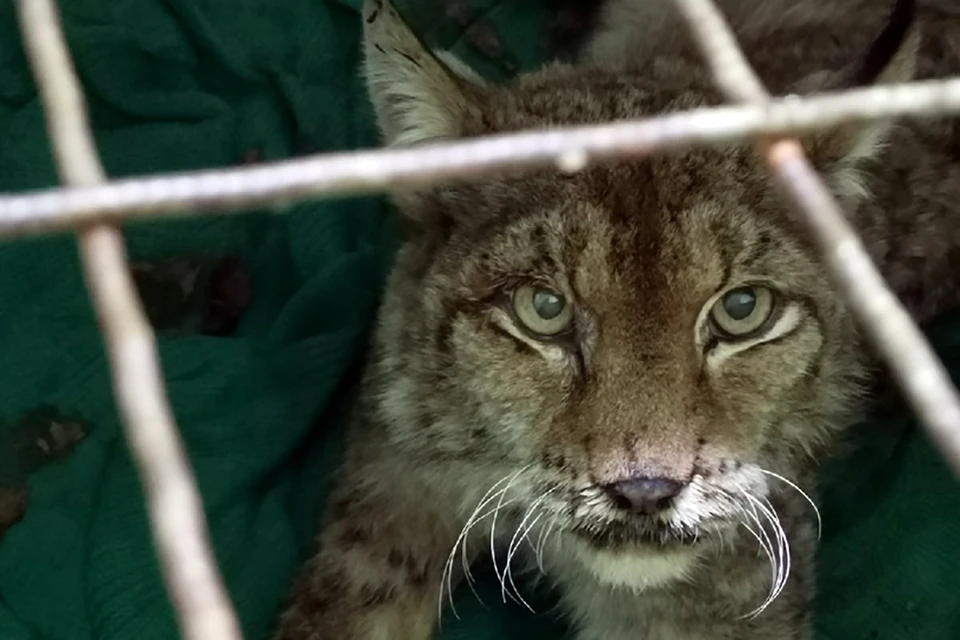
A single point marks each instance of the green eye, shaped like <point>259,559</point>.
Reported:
<point>742,311</point>
<point>542,311</point>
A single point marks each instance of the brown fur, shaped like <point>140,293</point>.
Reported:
<point>461,403</point>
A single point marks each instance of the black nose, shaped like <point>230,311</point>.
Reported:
<point>644,495</point>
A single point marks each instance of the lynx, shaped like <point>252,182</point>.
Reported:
<point>623,376</point>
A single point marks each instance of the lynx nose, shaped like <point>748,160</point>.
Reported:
<point>644,495</point>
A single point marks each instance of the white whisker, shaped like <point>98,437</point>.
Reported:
<point>783,551</point>
<point>446,579</point>
<point>510,555</point>
<point>493,530</point>
<point>777,574</point>
<point>515,542</point>
<point>541,543</point>
<point>468,574</point>
<point>785,543</point>
<point>806,497</point>
<point>558,540</point>
<point>762,547</point>
<point>721,538</point>
<point>763,540</point>
<point>767,543</point>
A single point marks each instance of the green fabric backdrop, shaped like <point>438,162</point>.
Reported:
<point>184,84</point>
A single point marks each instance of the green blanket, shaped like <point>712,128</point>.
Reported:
<point>184,84</point>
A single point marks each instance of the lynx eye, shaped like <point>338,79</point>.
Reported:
<point>743,311</point>
<point>542,311</point>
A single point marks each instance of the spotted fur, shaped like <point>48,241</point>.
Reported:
<point>466,417</point>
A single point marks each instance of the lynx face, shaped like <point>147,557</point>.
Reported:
<point>656,319</point>
<point>637,349</point>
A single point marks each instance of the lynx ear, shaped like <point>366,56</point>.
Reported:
<point>416,95</point>
<point>891,59</point>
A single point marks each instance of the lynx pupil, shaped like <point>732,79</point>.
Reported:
<point>547,304</point>
<point>740,303</point>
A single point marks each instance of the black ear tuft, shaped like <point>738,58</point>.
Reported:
<point>569,24</point>
<point>417,95</point>
<point>889,44</point>
<point>892,58</point>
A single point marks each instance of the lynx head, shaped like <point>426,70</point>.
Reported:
<point>634,344</point>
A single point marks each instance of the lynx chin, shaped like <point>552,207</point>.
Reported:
<point>620,380</point>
